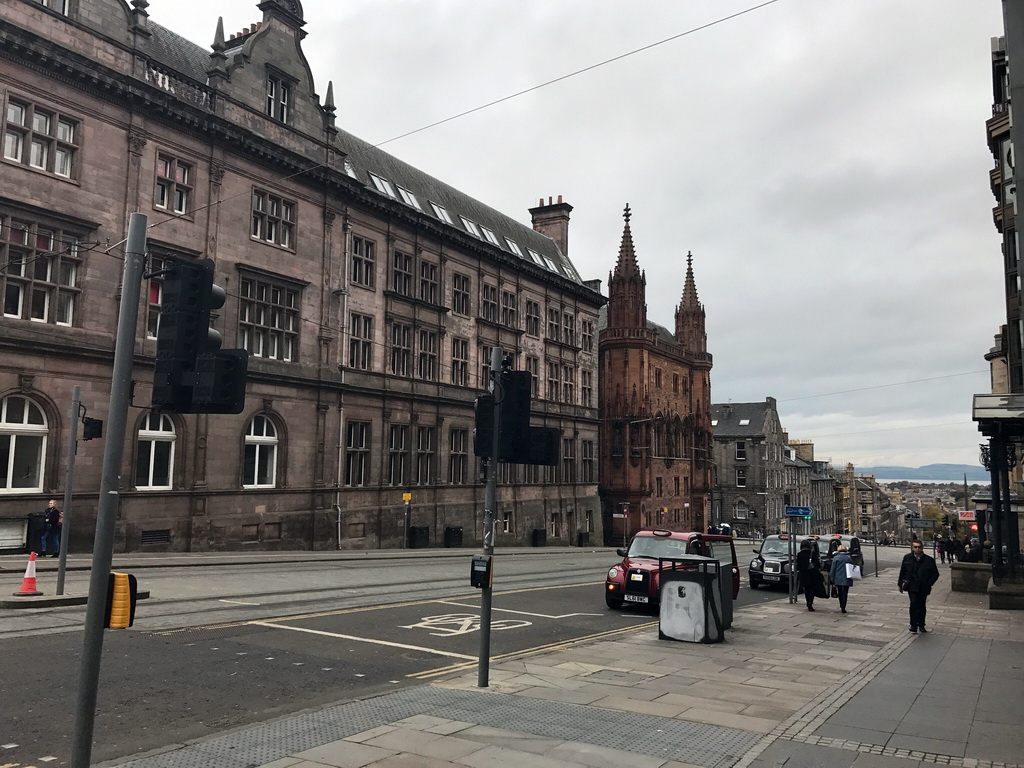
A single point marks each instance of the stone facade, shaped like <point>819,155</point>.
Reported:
<point>655,394</point>
<point>368,293</point>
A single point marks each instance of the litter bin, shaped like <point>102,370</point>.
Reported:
<point>453,536</point>
<point>540,537</point>
<point>14,534</point>
<point>582,539</point>
<point>691,600</point>
<point>419,536</point>
<point>36,526</point>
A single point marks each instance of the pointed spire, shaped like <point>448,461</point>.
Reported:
<point>690,300</point>
<point>329,100</point>
<point>626,265</point>
<point>218,36</point>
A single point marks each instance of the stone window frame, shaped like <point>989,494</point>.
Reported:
<point>357,453</point>
<point>58,139</point>
<point>489,302</point>
<point>401,349</point>
<point>280,96</point>
<point>510,309</point>
<point>39,259</point>
<point>460,361</point>
<point>33,428</point>
<point>462,286</point>
<point>426,454</point>
<point>427,359</point>
<point>429,281</point>
<point>364,262</point>
<point>175,180</point>
<point>151,437</point>
<point>398,455</point>
<point>360,342</point>
<point>532,364</point>
<point>263,444</point>
<point>274,219</point>
<point>458,456</point>
<point>269,313</point>
<point>401,273</point>
<point>532,318</point>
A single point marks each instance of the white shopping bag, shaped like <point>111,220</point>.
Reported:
<point>853,571</point>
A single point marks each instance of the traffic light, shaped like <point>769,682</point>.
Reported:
<point>192,374</point>
<point>483,430</point>
<point>514,430</point>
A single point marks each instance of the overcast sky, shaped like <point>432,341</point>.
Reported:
<point>825,162</point>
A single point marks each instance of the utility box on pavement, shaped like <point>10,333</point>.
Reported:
<point>691,600</point>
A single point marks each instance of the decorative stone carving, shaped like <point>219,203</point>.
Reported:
<point>216,172</point>
<point>26,382</point>
<point>268,404</point>
<point>137,141</point>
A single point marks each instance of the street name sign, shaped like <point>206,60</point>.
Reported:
<point>923,523</point>
<point>799,511</point>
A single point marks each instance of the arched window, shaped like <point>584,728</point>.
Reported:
<point>154,453</point>
<point>260,470</point>
<point>23,434</point>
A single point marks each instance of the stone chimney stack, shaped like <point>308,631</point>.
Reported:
<point>552,220</point>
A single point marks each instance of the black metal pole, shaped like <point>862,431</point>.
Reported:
<point>490,502</point>
<point>106,513</point>
<point>69,484</point>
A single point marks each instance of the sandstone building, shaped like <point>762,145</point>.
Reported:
<point>368,293</point>
<point>656,463</point>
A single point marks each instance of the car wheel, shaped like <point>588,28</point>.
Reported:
<point>612,601</point>
<point>754,584</point>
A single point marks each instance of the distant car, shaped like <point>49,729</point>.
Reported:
<point>637,579</point>
<point>771,566</point>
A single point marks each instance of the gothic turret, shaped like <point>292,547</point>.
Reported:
<point>627,286</point>
<point>690,315</point>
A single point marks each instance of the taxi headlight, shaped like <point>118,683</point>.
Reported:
<point>613,573</point>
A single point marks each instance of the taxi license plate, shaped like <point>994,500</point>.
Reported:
<point>771,578</point>
<point>635,598</point>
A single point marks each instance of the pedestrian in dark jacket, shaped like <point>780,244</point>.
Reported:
<point>940,550</point>
<point>808,569</point>
<point>52,523</point>
<point>838,578</point>
<point>918,573</point>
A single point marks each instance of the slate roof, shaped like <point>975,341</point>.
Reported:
<point>729,415</point>
<point>186,58</point>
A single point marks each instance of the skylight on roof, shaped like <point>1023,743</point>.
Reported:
<point>441,213</point>
<point>744,422</point>
<point>470,226</point>
<point>536,257</point>
<point>383,185</point>
<point>549,264</point>
<point>489,236</point>
<point>409,198</point>
<point>514,247</point>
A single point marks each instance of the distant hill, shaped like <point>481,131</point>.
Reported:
<point>948,473</point>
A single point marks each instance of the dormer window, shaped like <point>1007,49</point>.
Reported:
<point>409,198</point>
<point>514,247</point>
<point>442,213</point>
<point>489,236</point>
<point>470,226</point>
<point>383,186</point>
<point>279,97</point>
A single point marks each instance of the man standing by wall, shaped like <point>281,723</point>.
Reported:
<point>52,523</point>
<point>917,574</point>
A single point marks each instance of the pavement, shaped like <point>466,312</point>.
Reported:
<point>787,688</point>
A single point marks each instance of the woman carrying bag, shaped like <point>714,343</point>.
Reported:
<point>808,568</point>
<point>839,577</point>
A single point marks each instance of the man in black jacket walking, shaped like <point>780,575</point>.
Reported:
<point>918,573</point>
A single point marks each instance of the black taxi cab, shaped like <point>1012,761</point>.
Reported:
<point>637,579</point>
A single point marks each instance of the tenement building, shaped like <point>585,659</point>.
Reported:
<point>368,294</point>
<point>655,392</point>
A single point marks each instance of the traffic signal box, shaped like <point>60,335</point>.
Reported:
<point>193,374</point>
<point>518,442</point>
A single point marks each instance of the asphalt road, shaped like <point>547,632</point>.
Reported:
<point>220,647</point>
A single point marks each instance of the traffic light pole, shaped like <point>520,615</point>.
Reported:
<point>69,484</point>
<point>106,513</point>
<point>490,502</point>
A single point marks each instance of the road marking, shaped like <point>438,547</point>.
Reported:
<point>429,673</point>
<point>460,624</point>
<point>239,602</point>
<point>362,639</point>
<point>522,613</point>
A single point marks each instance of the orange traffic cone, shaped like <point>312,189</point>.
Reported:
<point>28,584</point>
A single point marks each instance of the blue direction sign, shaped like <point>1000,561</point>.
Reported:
<point>804,512</point>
